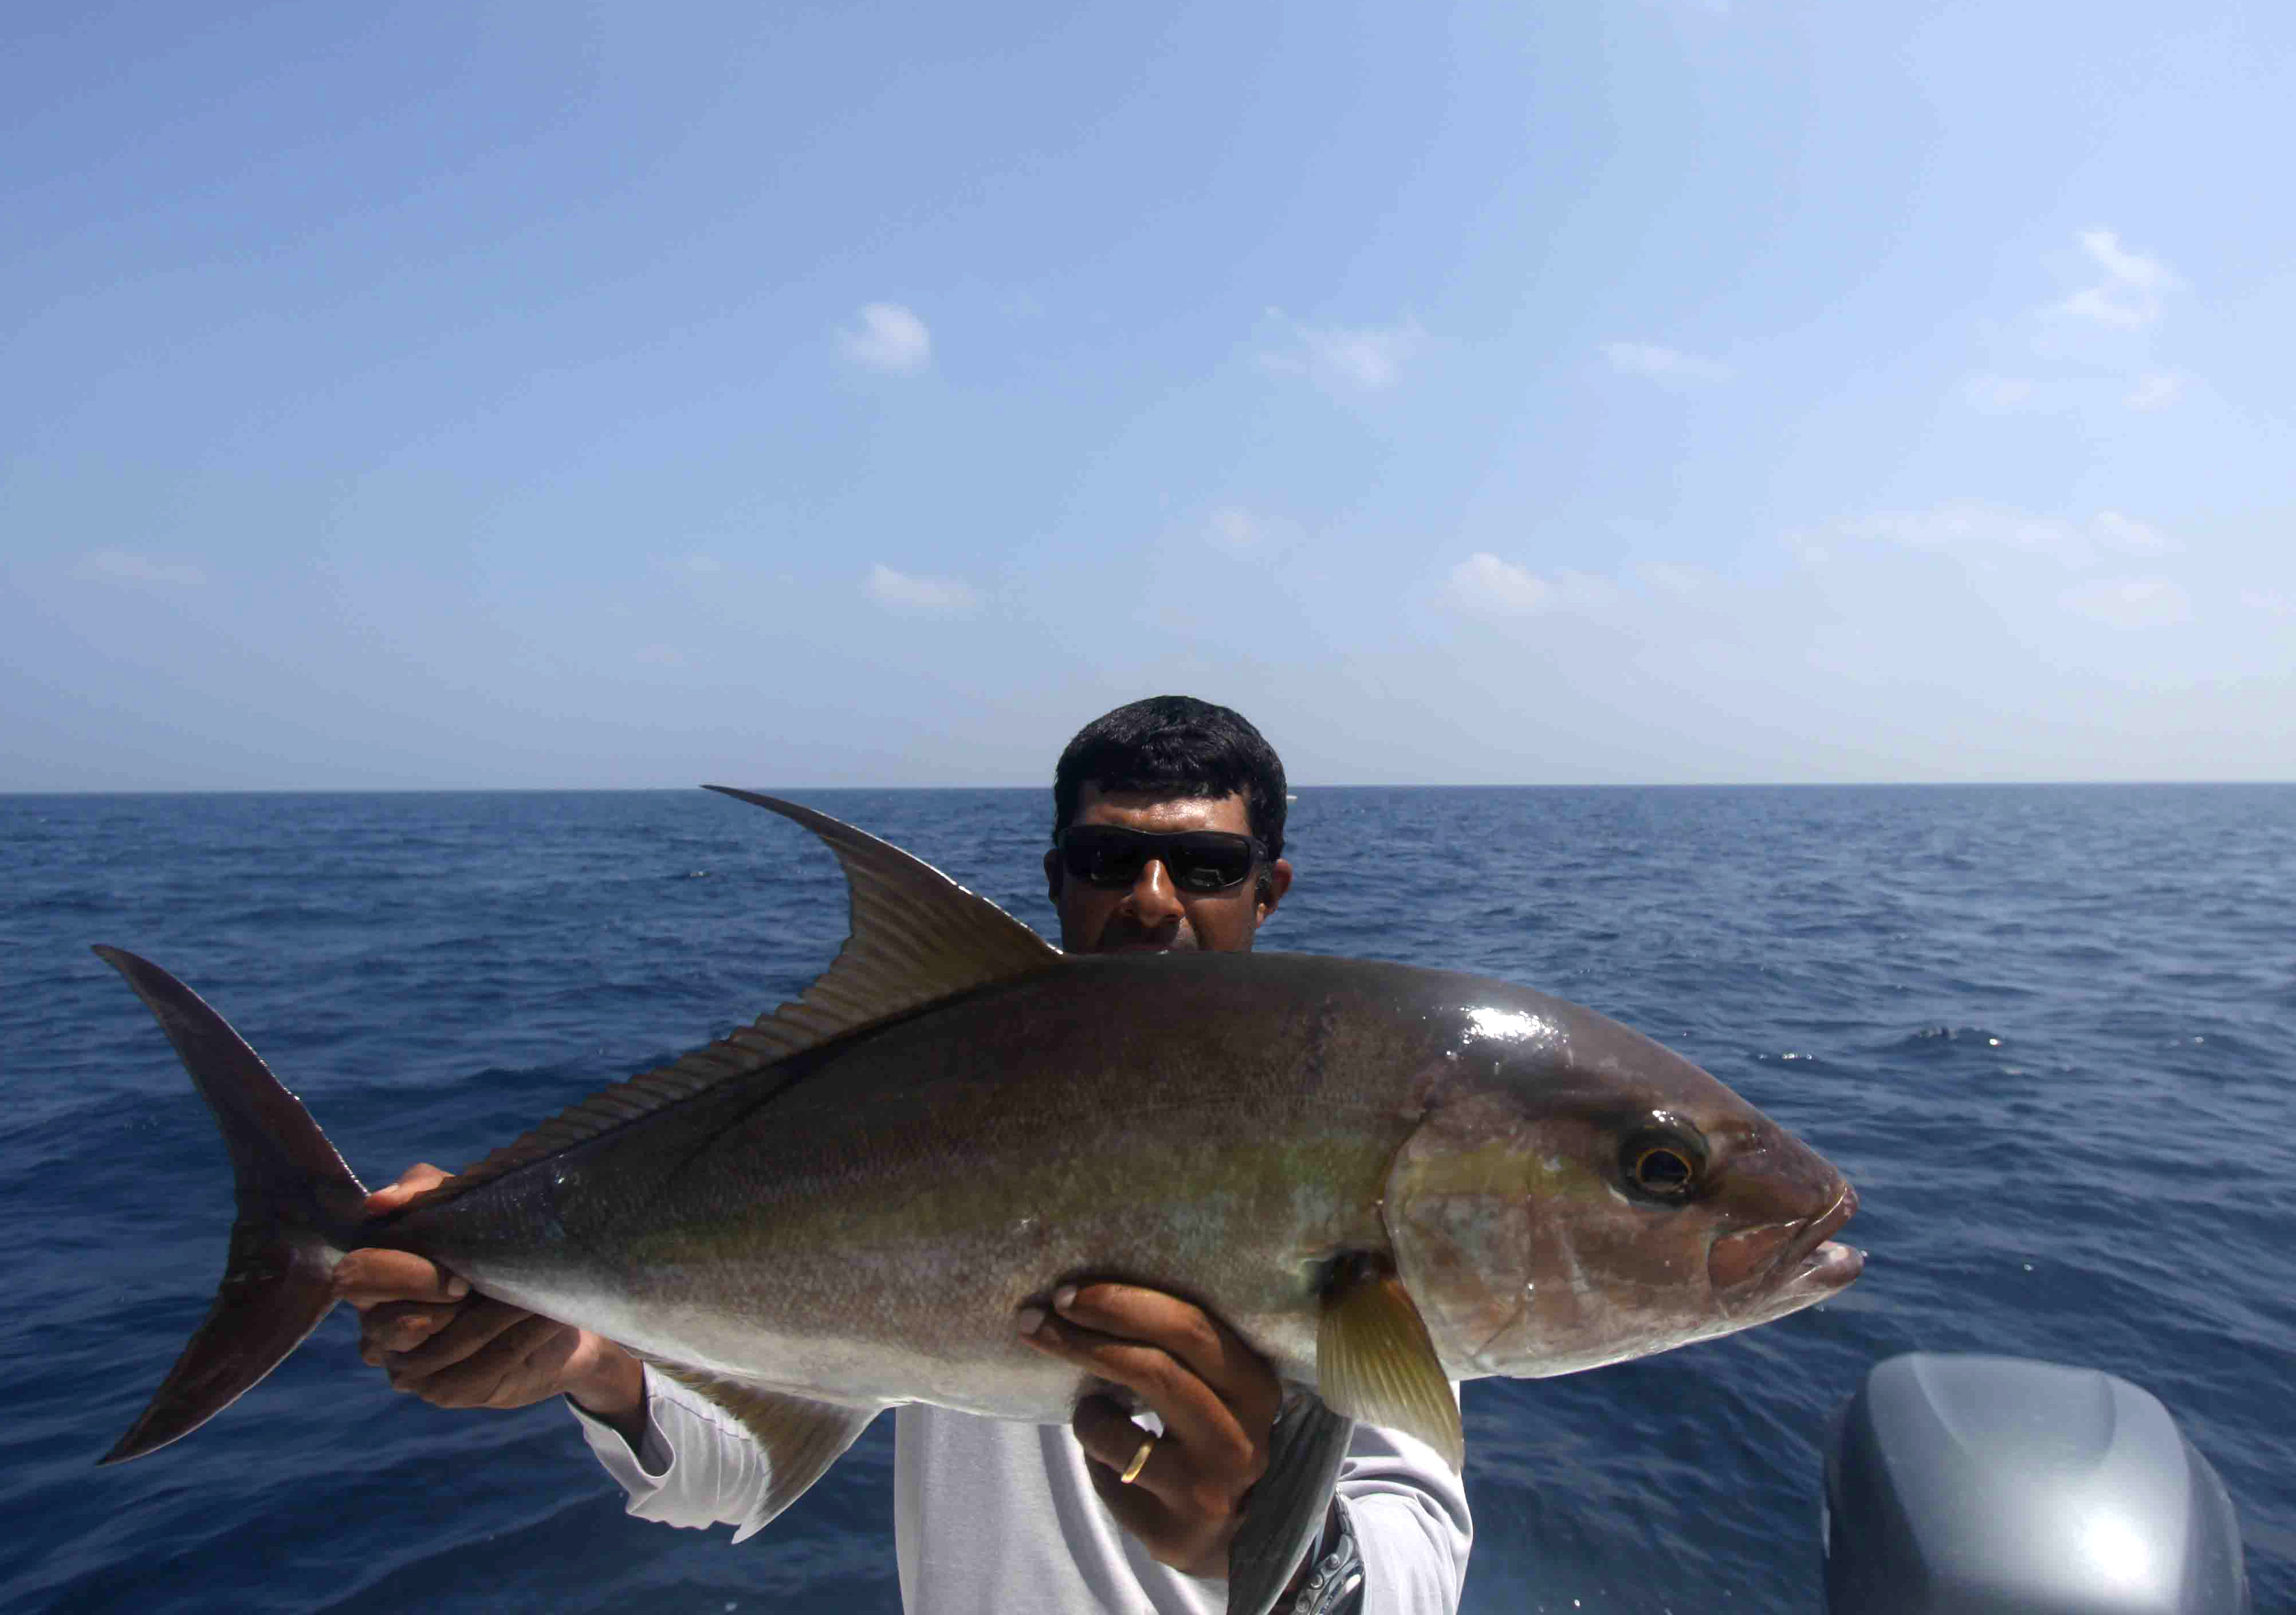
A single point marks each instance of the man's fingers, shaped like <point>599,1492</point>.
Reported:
<point>1211,1350</point>
<point>1193,1338</point>
<point>474,1328</point>
<point>520,1363</point>
<point>368,1278</point>
<point>401,1326</point>
<point>411,1182</point>
<point>1192,1411</point>
<point>1112,1441</point>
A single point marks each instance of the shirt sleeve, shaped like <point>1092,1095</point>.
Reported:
<point>1409,1513</point>
<point>692,1466</point>
<point>695,1467</point>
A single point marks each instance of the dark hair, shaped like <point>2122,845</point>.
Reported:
<point>1177,744</point>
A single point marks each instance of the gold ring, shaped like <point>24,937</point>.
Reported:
<point>1139,1462</point>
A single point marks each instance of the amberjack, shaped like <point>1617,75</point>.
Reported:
<point>1384,1179</point>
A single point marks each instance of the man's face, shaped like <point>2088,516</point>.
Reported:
<point>1151,914</point>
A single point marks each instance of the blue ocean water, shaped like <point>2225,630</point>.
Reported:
<point>2050,1032</point>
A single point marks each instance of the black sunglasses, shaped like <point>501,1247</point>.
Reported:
<point>1111,857</point>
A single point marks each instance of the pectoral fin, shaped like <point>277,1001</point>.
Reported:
<point>801,1439</point>
<point>1288,1502</point>
<point>1375,1361</point>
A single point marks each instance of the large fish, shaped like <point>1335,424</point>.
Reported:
<point>1381,1176</point>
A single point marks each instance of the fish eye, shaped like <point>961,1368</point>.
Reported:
<point>1663,1165</point>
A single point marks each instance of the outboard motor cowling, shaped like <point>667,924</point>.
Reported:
<point>1996,1486</point>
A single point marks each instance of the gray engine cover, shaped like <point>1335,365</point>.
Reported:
<point>1996,1486</point>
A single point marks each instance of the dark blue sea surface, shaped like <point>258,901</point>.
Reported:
<point>2050,1032</point>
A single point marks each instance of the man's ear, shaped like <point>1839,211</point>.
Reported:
<point>1053,875</point>
<point>1273,885</point>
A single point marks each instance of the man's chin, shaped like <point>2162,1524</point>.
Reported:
<point>1180,943</point>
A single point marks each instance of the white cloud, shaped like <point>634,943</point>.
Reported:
<point>1998,395</point>
<point>1976,532</point>
<point>1234,528</point>
<point>2271,602</point>
<point>118,566</point>
<point>1484,583</point>
<point>1672,578</point>
<point>1488,586</point>
<point>1973,530</point>
<point>2130,602</point>
<point>2156,392</point>
<point>891,339</point>
<point>915,596</point>
<point>1663,363</point>
<point>2130,537</point>
<point>2128,268</point>
<point>699,563</point>
<point>2128,297</point>
<point>1363,359</point>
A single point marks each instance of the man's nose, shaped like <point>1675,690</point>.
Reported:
<point>1152,898</point>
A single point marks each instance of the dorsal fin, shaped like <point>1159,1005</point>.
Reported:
<point>916,937</point>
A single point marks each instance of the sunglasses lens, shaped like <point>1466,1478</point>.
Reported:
<point>1210,863</point>
<point>1103,860</point>
<point>1112,857</point>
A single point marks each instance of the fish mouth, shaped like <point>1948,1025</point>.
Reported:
<point>1756,1269</point>
<point>1804,1250</point>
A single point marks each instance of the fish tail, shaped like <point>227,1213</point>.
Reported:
<point>298,1205</point>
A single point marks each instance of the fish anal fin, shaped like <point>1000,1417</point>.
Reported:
<point>1288,1502</point>
<point>1376,1363</point>
<point>916,937</point>
<point>798,1438</point>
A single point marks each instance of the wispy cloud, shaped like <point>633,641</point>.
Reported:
<point>1488,585</point>
<point>1971,529</point>
<point>2091,350</point>
<point>1234,528</point>
<point>1974,531</point>
<point>2128,298</point>
<point>890,338</point>
<point>2130,537</point>
<point>2156,392</point>
<point>1485,584</point>
<point>1998,395</point>
<point>1672,580</point>
<point>2130,602</point>
<point>915,596</point>
<point>1662,364</point>
<point>118,566</point>
<point>1347,359</point>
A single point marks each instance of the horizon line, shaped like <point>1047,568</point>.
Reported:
<point>1864,785</point>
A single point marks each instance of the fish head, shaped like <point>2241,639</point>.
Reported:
<point>1575,1194</point>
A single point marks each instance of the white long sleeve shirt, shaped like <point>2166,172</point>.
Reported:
<point>995,1516</point>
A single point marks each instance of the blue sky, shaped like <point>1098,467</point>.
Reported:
<point>535,395</point>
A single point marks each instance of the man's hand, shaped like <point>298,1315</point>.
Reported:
<point>1218,1398</point>
<point>434,1339</point>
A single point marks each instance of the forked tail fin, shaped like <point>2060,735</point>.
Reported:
<point>296,1200</point>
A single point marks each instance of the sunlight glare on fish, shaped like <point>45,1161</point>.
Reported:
<point>1511,1026</point>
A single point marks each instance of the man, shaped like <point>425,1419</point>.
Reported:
<point>993,1515</point>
